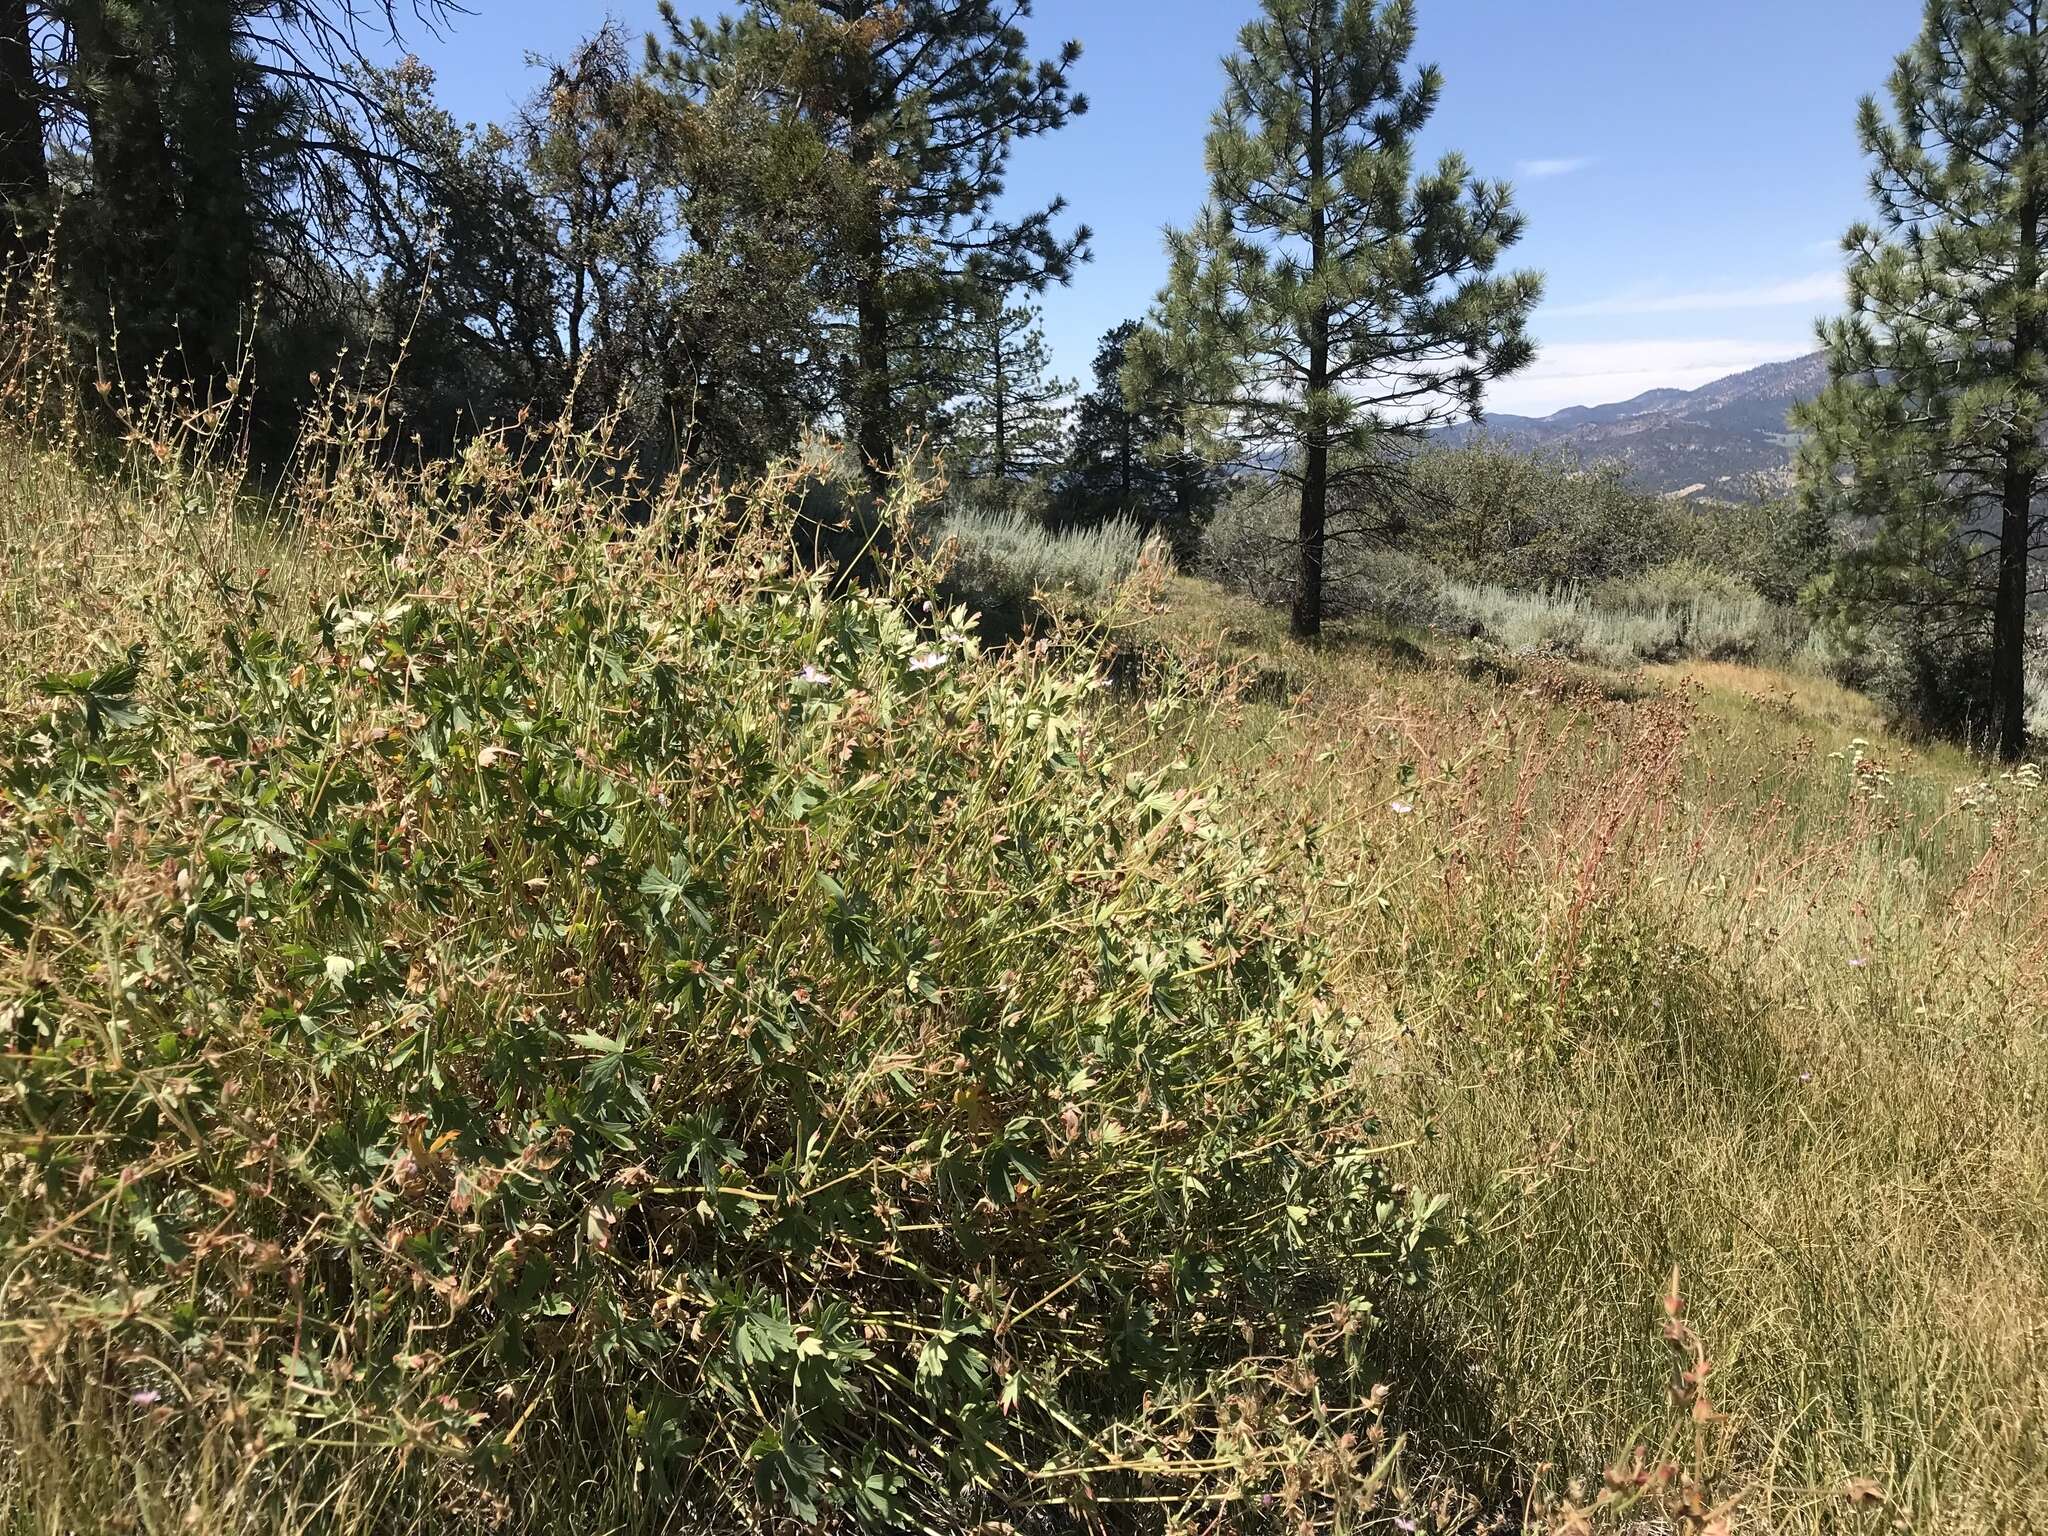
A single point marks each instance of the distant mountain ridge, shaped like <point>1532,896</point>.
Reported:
<point>1723,440</point>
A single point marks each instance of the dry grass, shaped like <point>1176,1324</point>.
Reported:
<point>1684,968</point>
<point>1692,968</point>
<point>1803,697</point>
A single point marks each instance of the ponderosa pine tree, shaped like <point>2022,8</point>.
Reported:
<point>228,123</point>
<point>628,247</point>
<point>1107,465</point>
<point>593,155</point>
<point>1126,458</point>
<point>457,262</point>
<point>1331,304</point>
<point>924,101</point>
<point>1930,432</point>
<point>124,253</point>
<point>1009,421</point>
<point>231,145</point>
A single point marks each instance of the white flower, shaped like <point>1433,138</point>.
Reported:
<point>929,661</point>
<point>1401,808</point>
<point>814,675</point>
<point>1860,963</point>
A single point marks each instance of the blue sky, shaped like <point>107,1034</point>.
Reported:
<point>1687,169</point>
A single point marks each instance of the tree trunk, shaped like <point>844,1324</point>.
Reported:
<point>1308,586</point>
<point>873,435</point>
<point>24,174</point>
<point>2009,619</point>
<point>1315,480</point>
<point>869,394</point>
<point>2022,473</point>
<point>132,170</point>
<point>1002,405</point>
<point>214,264</point>
<point>1126,452</point>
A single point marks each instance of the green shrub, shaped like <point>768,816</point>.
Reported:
<point>1933,677</point>
<point>1776,546</point>
<point>598,1033</point>
<point>1249,547</point>
<point>1706,612</point>
<point>1490,514</point>
<point>1653,618</point>
<point>1479,512</point>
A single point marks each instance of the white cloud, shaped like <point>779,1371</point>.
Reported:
<point>1603,372</point>
<point>1822,289</point>
<point>1543,170</point>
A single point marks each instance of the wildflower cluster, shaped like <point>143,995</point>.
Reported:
<point>2015,787</point>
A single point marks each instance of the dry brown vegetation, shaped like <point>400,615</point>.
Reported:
<point>1687,968</point>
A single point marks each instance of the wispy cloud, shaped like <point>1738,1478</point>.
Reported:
<point>1822,289</point>
<point>1543,170</point>
<point>1602,372</point>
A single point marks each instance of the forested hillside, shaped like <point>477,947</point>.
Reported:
<point>1731,439</point>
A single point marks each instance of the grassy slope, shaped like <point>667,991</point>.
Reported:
<point>1696,968</point>
<point>1664,971</point>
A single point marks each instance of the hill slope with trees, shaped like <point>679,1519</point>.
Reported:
<point>1733,438</point>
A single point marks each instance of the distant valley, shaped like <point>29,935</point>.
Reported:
<point>1726,440</point>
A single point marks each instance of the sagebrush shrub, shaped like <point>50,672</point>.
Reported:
<point>1004,558</point>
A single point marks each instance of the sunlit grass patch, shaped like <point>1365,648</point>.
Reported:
<point>1713,974</point>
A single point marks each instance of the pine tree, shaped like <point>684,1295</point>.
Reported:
<point>924,101</point>
<point>1127,458</point>
<point>226,122</point>
<point>130,229</point>
<point>589,142</point>
<point>1107,471</point>
<point>1930,432</point>
<point>1009,421</point>
<point>459,274</point>
<point>232,145</point>
<point>24,170</point>
<point>1331,304</point>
